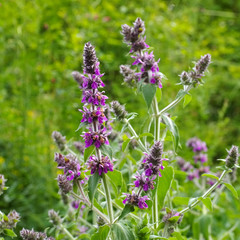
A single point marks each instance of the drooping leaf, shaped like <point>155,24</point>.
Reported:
<point>121,231</point>
<point>126,210</point>
<point>164,184</point>
<point>92,185</point>
<point>172,127</point>
<point>207,202</point>
<point>9,233</point>
<point>187,99</point>
<point>232,189</point>
<point>88,152</point>
<point>148,91</point>
<point>210,176</point>
<point>102,233</point>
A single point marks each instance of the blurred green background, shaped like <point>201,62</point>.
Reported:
<point>41,43</point>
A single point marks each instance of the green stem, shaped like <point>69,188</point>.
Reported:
<point>208,192</point>
<point>108,198</point>
<point>135,135</point>
<point>175,102</point>
<point>85,199</point>
<point>67,232</point>
<point>157,122</point>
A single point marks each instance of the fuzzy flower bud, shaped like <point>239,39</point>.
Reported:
<point>54,218</point>
<point>129,75</point>
<point>185,78</point>
<point>59,139</point>
<point>119,110</point>
<point>78,77</point>
<point>64,185</point>
<point>89,59</point>
<point>32,235</point>
<point>232,157</point>
<point>79,146</point>
<point>156,150</point>
<point>202,65</point>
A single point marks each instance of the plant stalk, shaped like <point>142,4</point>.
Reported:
<point>67,232</point>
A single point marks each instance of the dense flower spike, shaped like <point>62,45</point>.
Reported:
<point>153,161</point>
<point>145,182</point>
<point>59,139</point>
<point>193,77</point>
<point>64,185</point>
<point>32,235</point>
<point>136,200</point>
<point>149,70</point>
<point>69,164</point>
<point>93,116</point>
<point>232,157</point>
<point>89,59</point>
<point>54,218</point>
<point>102,166</point>
<point>119,110</point>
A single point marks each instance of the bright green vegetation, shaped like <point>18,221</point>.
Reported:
<point>41,43</point>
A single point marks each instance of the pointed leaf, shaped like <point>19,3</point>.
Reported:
<point>125,143</point>
<point>88,152</point>
<point>9,233</point>
<point>81,125</point>
<point>172,127</point>
<point>164,184</point>
<point>210,176</point>
<point>232,189</point>
<point>187,99</point>
<point>208,203</point>
<point>122,232</point>
<point>148,91</point>
<point>127,209</point>
<point>92,185</point>
<point>107,150</point>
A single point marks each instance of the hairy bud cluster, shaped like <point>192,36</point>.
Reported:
<point>32,235</point>
<point>232,157</point>
<point>119,110</point>
<point>89,59</point>
<point>129,75</point>
<point>9,221</point>
<point>54,218</point>
<point>59,139</point>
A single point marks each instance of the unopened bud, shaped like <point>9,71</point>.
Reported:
<point>119,110</point>
<point>64,185</point>
<point>78,77</point>
<point>59,139</point>
<point>54,218</point>
<point>89,59</point>
<point>232,157</point>
<point>185,78</point>
<point>156,150</point>
<point>202,65</point>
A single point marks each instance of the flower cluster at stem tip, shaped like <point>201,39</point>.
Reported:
<point>93,112</point>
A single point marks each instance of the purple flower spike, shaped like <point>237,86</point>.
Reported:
<point>136,200</point>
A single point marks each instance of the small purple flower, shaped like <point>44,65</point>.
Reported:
<point>200,158</point>
<point>196,145</point>
<point>96,115</point>
<point>97,138</point>
<point>136,200</point>
<point>75,204</point>
<point>145,182</point>
<point>94,97</point>
<point>102,166</point>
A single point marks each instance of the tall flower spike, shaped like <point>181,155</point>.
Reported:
<point>232,157</point>
<point>89,59</point>
<point>119,110</point>
<point>202,65</point>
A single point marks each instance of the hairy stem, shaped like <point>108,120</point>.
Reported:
<point>208,192</point>
<point>108,198</point>
<point>70,236</point>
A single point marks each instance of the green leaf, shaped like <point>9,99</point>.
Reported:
<point>232,189</point>
<point>116,179</point>
<point>88,152</point>
<point>9,233</point>
<point>102,233</point>
<point>125,143</point>
<point>92,185</point>
<point>164,184</point>
<point>187,99</point>
<point>148,91</point>
<point>159,94</point>
<point>207,202</point>
<point>174,219</point>
<point>181,93</point>
<point>122,232</point>
<point>178,236</point>
<point>107,150</point>
<point>210,176</point>
<point>147,134</point>
<point>181,200</point>
<point>81,125</point>
<point>127,209</point>
<point>172,127</point>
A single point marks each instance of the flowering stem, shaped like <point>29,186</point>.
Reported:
<point>67,232</point>
<point>175,102</point>
<point>157,122</point>
<point>135,135</point>
<point>214,186</point>
<point>85,199</point>
<point>108,198</point>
